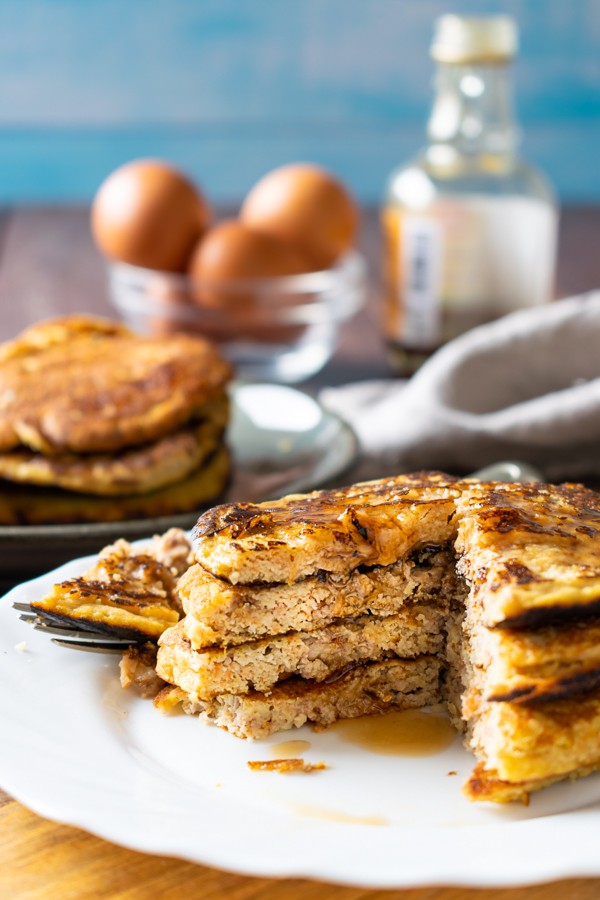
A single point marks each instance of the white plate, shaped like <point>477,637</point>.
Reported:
<point>282,442</point>
<point>78,749</point>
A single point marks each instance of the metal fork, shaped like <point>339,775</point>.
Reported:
<point>82,638</point>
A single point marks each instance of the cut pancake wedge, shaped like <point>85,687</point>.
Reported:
<point>129,591</point>
<point>222,613</point>
<point>314,655</point>
<point>365,690</point>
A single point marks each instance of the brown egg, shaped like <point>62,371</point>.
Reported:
<point>146,213</point>
<point>308,207</point>
<point>230,269</point>
<point>232,251</point>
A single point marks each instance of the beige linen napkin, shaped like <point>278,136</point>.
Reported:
<point>524,387</point>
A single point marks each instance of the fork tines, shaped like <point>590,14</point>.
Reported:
<point>95,646</point>
<point>22,607</point>
<point>76,638</point>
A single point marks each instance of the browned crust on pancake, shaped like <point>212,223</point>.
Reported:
<point>96,389</point>
<point>552,614</point>
<point>485,785</point>
<point>371,523</point>
<point>530,552</point>
<point>238,520</point>
<point>127,591</point>
<point>513,665</point>
<point>570,683</point>
<point>57,331</point>
<point>525,742</point>
<point>285,766</point>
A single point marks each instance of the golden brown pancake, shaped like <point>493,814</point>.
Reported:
<point>392,684</point>
<point>57,331</point>
<point>545,663</point>
<point>521,664</point>
<point>398,593</point>
<point>129,591</point>
<point>85,386</point>
<point>485,784</point>
<point>543,740</point>
<point>220,613</point>
<point>532,551</point>
<point>314,655</point>
<point>371,523</point>
<point>136,470</point>
<point>31,505</point>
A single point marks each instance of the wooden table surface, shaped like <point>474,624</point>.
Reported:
<point>48,266</point>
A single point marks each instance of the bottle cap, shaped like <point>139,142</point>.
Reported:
<point>466,39</point>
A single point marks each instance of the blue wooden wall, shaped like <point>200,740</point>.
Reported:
<point>230,88</point>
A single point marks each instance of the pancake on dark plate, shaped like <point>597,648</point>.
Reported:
<point>94,388</point>
<point>22,504</point>
<point>90,411</point>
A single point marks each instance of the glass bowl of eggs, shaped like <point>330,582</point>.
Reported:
<point>272,287</point>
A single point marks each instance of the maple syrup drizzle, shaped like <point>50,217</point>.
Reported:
<point>332,815</point>
<point>412,732</point>
<point>289,749</point>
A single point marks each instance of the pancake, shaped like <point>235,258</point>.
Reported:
<point>531,551</point>
<point>534,742</point>
<point>484,784</point>
<point>128,591</point>
<point>80,385</point>
<point>516,583</point>
<point>314,655</point>
<point>370,689</point>
<point>542,664</point>
<point>221,613</point>
<point>47,334</point>
<point>395,594</point>
<point>137,670</point>
<point>31,505</point>
<point>372,523</point>
<point>138,470</point>
<point>529,659</point>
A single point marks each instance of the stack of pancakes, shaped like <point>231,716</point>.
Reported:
<point>396,594</point>
<point>529,658</point>
<point>287,623</point>
<point>99,424</point>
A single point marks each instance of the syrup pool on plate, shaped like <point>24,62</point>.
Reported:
<point>412,732</point>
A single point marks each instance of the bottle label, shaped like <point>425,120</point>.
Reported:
<point>465,261</point>
<point>421,250</point>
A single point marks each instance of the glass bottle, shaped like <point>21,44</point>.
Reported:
<point>469,227</point>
